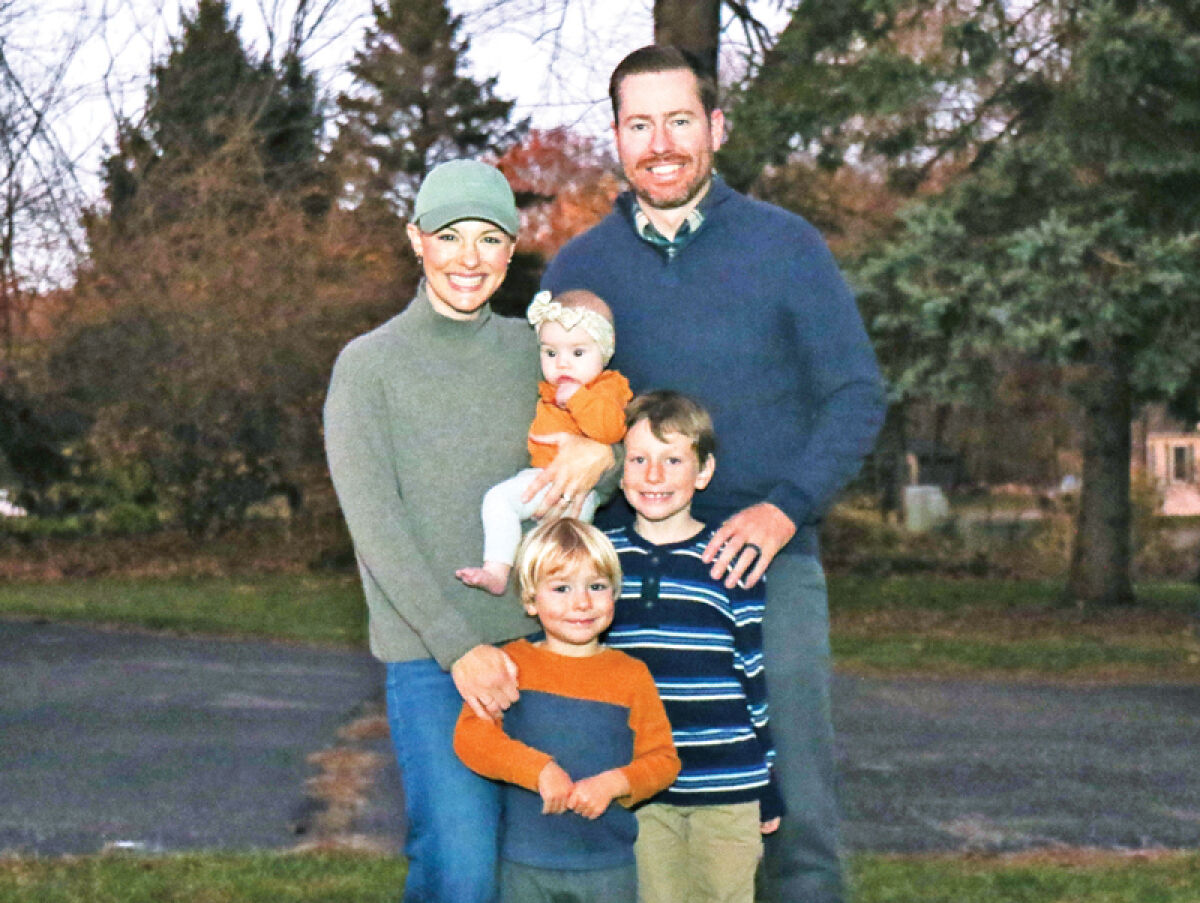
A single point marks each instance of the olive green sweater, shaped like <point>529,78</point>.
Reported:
<point>423,415</point>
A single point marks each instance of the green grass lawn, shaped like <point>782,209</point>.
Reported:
<point>1035,878</point>
<point>892,625</point>
<point>203,878</point>
<point>322,610</point>
<point>331,878</point>
<point>1011,628</point>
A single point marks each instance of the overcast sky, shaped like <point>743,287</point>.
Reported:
<point>552,57</point>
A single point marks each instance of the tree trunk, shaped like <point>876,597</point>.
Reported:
<point>891,467</point>
<point>1101,558</point>
<point>693,25</point>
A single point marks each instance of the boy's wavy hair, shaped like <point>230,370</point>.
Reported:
<point>673,412</point>
<point>563,546</point>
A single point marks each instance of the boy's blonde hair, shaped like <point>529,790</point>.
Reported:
<point>673,412</point>
<point>563,545</point>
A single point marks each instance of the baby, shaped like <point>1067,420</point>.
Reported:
<point>577,395</point>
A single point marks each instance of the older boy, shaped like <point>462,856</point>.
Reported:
<point>700,840</point>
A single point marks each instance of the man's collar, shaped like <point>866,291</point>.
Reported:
<point>716,190</point>
<point>651,233</point>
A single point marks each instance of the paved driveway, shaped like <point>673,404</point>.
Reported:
<point>934,765</point>
<point>164,743</point>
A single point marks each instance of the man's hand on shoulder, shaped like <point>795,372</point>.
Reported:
<point>486,679</point>
<point>746,544</point>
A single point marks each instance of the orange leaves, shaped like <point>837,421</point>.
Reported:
<point>564,184</point>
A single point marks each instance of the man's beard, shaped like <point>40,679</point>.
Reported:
<point>680,198</point>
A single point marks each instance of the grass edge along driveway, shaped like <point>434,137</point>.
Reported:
<point>926,626</point>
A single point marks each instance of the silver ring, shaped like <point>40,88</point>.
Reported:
<point>566,499</point>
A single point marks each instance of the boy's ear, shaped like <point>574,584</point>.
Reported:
<point>706,472</point>
<point>530,608</point>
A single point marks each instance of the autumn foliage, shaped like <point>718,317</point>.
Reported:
<point>564,184</point>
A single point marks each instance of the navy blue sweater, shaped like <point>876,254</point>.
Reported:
<point>753,319</point>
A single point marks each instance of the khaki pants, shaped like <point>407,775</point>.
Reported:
<point>697,854</point>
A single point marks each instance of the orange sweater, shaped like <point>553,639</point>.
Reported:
<point>596,411</point>
<point>610,677</point>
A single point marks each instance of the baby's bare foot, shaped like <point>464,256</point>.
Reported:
<point>492,577</point>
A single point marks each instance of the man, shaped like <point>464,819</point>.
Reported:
<point>739,304</point>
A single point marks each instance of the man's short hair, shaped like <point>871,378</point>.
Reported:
<point>673,412</point>
<point>662,58</point>
<point>560,546</point>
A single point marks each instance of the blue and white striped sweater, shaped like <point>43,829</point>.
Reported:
<point>703,645</point>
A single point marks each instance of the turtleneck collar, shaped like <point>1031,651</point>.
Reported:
<point>422,311</point>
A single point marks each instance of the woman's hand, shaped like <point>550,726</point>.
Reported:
<point>574,472</point>
<point>486,679</point>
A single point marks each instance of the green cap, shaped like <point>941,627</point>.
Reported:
<point>465,189</point>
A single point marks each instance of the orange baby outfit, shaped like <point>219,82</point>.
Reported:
<point>596,411</point>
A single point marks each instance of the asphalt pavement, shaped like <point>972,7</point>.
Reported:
<point>159,743</point>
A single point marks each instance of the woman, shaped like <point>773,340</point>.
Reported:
<point>424,414</point>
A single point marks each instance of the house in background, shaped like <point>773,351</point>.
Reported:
<point>1169,454</point>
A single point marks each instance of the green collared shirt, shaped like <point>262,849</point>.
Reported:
<point>685,233</point>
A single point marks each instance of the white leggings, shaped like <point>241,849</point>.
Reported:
<point>503,511</point>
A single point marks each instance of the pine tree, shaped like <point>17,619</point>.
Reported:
<point>413,107</point>
<point>290,124</point>
<point>206,96</point>
<point>1069,233</point>
<point>207,268</point>
<point>206,86</point>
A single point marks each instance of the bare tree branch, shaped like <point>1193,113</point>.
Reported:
<point>42,195</point>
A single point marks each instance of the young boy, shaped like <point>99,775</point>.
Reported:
<point>700,839</point>
<point>577,395</point>
<point>587,729</point>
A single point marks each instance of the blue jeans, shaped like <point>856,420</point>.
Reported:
<point>801,860</point>
<point>453,814</point>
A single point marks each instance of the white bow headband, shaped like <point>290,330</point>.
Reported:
<point>544,310</point>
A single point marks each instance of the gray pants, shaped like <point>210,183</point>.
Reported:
<point>529,884</point>
<point>801,860</point>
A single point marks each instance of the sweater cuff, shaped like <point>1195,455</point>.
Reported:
<point>770,802</point>
<point>794,503</point>
<point>538,760</point>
